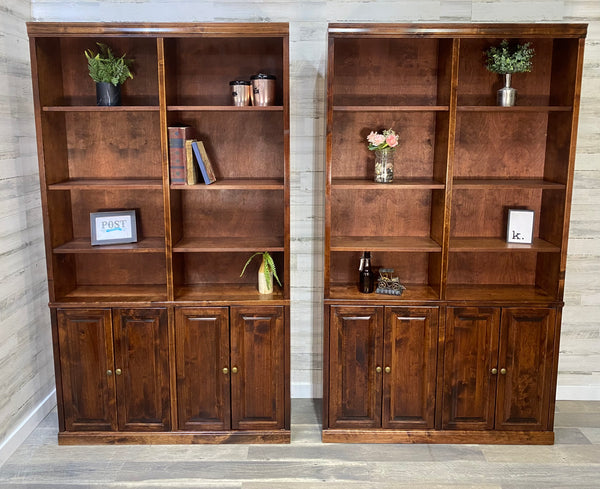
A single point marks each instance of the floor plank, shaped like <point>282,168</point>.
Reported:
<point>573,462</point>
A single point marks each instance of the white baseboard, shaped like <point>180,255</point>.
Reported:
<point>578,393</point>
<point>21,432</point>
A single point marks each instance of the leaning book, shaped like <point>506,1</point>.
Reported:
<point>204,164</point>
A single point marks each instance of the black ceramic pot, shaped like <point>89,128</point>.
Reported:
<point>108,94</point>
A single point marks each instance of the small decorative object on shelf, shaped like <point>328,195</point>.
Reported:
<point>383,144</point>
<point>263,90</point>
<point>365,280</point>
<point>388,284</point>
<point>109,72</point>
<point>113,227</point>
<point>240,92</point>
<point>265,272</point>
<point>520,226</point>
<point>506,60</point>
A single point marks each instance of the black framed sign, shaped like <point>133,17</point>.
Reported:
<point>113,227</point>
<point>520,226</point>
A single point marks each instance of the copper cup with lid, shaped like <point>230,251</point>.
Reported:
<point>263,90</point>
<point>240,92</point>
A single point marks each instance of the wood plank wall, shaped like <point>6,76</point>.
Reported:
<point>26,365</point>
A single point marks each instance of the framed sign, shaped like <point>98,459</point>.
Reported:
<point>520,226</point>
<point>113,227</point>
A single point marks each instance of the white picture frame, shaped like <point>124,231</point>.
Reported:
<point>113,227</point>
<point>520,226</point>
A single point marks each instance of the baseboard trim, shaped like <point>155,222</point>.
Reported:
<point>438,436</point>
<point>172,438</point>
<point>578,393</point>
<point>21,432</point>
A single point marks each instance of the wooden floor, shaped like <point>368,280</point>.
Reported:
<point>573,462</point>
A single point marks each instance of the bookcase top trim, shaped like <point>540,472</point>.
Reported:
<point>166,29</point>
<point>458,30</point>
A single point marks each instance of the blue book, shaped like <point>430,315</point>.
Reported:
<point>203,162</point>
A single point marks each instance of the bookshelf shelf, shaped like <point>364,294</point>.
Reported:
<point>398,183</point>
<point>385,243</point>
<point>95,108</point>
<point>390,108</point>
<point>224,108</point>
<point>235,184</point>
<point>229,244</point>
<point>476,244</point>
<point>83,245</point>
<point>108,183</point>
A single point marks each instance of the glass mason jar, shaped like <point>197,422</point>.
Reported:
<point>384,165</point>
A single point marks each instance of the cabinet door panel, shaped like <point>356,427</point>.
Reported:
<point>410,352</point>
<point>526,352</point>
<point>141,352</point>
<point>257,368</point>
<point>202,352</point>
<point>471,351</point>
<point>355,351</point>
<point>86,356</point>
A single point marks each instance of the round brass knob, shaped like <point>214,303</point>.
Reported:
<point>225,370</point>
<point>378,370</point>
<point>494,371</point>
<point>118,371</point>
<point>388,370</point>
<point>109,372</point>
<point>503,371</point>
<point>234,370</point>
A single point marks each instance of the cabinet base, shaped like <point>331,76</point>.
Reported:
<point>173,438</point>
<point>439,436</point>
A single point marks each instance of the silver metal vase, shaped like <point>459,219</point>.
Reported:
<point>507,96</point>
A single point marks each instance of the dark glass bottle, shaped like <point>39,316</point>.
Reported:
<point>365,282</point>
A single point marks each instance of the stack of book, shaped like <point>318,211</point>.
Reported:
<point>188,159</point>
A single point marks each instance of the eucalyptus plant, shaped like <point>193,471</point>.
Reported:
<point>105,67</point>
<point>268,269</point>
<point>506,58</point>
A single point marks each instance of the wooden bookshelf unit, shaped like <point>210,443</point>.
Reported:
<point>469,352</point>
<point>161,341</point>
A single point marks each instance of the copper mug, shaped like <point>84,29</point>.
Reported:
<point>240,92</point>
<point>263,90</point>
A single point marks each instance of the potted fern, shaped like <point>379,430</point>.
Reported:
<point>265,272</point>
<point>507,59</point>
<point>109,72</point>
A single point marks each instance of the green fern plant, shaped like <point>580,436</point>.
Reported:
<point>105,67</point>
<point>269,267</point>
<point>505,58</point>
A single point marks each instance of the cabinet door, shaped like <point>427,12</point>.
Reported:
<point>355,354</point>
<point>203,369</point>
<point>257,368</point>
<point>470,355</point>
<point>142,369</point>
<point>409,366</point>
<point>525,368</point>
<point>86,364</point>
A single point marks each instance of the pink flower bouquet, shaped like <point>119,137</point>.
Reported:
<point>387,139</point>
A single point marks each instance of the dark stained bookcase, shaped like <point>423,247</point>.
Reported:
<point>161,341</point>
<point>469,352</point>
